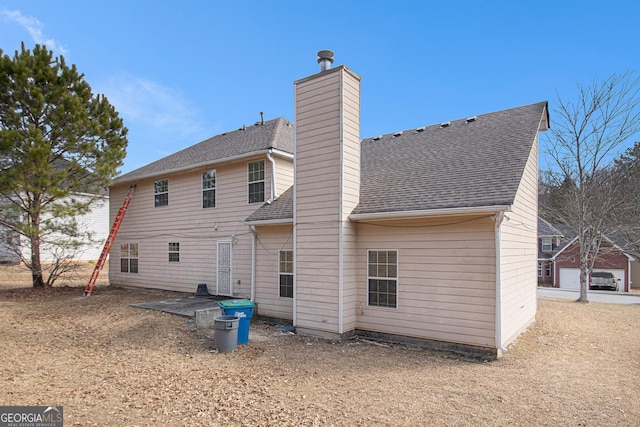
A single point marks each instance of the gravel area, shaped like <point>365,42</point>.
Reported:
<point>109,364</point>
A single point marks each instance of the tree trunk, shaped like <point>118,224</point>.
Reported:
<point>36,264</point>
<point>584,271</point>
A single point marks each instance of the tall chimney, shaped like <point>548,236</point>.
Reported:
<point>326,190</point>
<point>325,59</point>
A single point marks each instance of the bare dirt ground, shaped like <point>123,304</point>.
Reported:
<point>112,365</point>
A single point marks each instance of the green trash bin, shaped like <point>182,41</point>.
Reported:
<point>242,309</point>
<point>226,335</point>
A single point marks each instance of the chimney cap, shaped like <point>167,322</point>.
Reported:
<point>325,59</point>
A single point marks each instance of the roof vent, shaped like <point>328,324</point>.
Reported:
<point>325,59</point>
<point>471,119</point>
<point>376,138</point>
<point>421,129</point>
<point>445,124</point>
<point>397,134</point>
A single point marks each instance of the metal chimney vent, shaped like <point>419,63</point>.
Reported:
<point>325,59</point>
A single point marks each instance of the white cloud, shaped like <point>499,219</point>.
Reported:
<point>148,104</point>
<point>160,119</point>
<point>34,28</point>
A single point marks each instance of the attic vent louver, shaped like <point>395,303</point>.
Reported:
<point>471,119</point>
<point>376,138</point>
<point>421,129</point>
<point>445,124</point>
<point>397,134</point>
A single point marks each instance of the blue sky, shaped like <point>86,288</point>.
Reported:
<point>180,72</point>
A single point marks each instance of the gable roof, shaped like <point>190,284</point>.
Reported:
<point>469,163</point>
<point>545,229</point>
<point>247,141</point>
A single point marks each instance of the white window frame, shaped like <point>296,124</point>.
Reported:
<point>128,257</point>
<point>251,180</point>
<point>282,274</point>
<point>547,269</point>
<point>160,192</point>
<point>173,251</point>
<point>384,277</point>
<point>208,186</point>
<point>547,244</point>
<point>539,269</point>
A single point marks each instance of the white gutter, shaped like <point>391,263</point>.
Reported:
<point>498,219</point>
<point>281,153</point>
<point>274,194</point>
<point>431,212</point>
<point>271,221</point>
<point>253,263</point>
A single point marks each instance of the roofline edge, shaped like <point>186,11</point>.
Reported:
<point>270,221</point>
<point>194,166</point>
<point>431,212</point>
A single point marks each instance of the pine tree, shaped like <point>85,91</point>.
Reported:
<point>57,140</point>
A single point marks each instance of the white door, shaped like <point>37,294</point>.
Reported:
<point>224,264</point>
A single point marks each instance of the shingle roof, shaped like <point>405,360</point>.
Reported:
<point>545,229</point>
<point>467,163</point>
<point>276,133</point>
<point>279,209</point>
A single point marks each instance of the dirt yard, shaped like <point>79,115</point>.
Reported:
<point>112,365</point>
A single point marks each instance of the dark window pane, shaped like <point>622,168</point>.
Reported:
<point>256,192</point>
<point>124,265</point>
<point>134,266</point>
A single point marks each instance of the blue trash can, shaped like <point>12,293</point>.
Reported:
<point>242,309</point>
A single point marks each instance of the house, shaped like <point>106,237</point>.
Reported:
<point>424,235</point>
<point>559,260</point>
<point>92,227</point>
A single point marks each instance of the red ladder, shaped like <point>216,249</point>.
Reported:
<point>117,222</point>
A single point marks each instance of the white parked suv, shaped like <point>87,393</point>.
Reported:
<point>603,280</point>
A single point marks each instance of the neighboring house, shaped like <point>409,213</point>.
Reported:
<point>96,222</point>
<point>559,260</point>
<point>426,235</point>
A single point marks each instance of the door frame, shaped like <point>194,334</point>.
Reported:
<point>219,269</point>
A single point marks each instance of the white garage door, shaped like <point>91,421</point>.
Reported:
<point>570,278</point>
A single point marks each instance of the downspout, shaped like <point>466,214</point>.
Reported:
<point>253,262</point>
<point>274,195</point>
<point>498,218</point>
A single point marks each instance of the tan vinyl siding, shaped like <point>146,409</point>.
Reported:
<point>272,239</point>
<point>197,230</point>
<point>519,254</point>
<point>322,203</point>
<point>446,279</point>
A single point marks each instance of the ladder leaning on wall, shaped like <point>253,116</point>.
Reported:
<point>109,242</point>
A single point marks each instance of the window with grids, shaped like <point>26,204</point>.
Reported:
<point>539,269</point>
<point>161,192</point>
<point>547,244</point>
<point>209,189</point>
<point>548,270</point>
<point>382,278</point>
<point>256,181</point>
<point>129,258</point>
<point>286,274</point>
<point>174,252</point>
